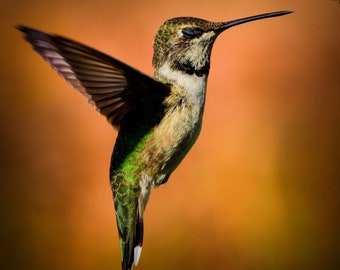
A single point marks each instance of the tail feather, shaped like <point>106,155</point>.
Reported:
<point>130,201</point>
<point>132,246</point>
<point>139,237</point>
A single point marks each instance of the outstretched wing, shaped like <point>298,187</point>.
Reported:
<point>113,87</point>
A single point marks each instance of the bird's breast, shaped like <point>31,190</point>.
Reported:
<point>178,130</point>
<point>173,137</point>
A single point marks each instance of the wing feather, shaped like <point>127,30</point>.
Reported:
<point>116,89</point>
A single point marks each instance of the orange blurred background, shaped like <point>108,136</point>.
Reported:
<point>259,190</point>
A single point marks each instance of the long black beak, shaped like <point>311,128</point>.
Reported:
<point>229,24</point>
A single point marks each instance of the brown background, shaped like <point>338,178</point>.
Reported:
<point>260,189</point>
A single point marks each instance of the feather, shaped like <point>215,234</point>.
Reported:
<point>114,88</point>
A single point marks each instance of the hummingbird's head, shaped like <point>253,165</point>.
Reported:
<point>185,43</point>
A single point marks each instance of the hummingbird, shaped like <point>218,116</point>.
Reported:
<point>158,118</point>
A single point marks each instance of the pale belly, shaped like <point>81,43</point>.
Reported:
<point>170,143</point>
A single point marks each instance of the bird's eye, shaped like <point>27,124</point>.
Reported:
<point>191,32</point>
